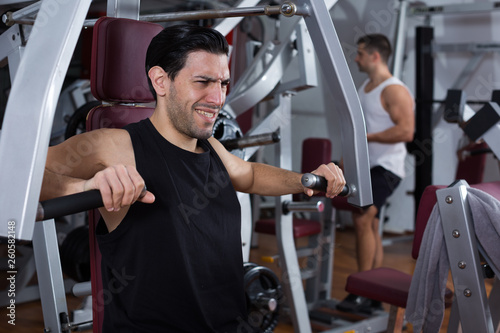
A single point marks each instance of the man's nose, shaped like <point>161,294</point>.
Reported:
<point>216,94</point>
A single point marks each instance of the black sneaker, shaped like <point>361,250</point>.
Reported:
<point>355,303</point>
<point>376,305</point>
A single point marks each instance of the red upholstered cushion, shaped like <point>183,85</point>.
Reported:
<point>492,188</point>
<point>118,59</point>
<point>382,284</point>
<point>471,169</point>
<point>315,151</point>
<point>427,203</point>
<point>116,116</point>
<point>301,227</point>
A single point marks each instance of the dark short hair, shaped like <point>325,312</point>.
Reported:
<point>379,43</point>
<point>171,47</point>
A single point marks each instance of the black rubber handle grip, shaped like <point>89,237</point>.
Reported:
<point>319,183</point>
<point>71,204</point>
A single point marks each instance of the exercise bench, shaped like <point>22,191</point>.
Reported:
<point>470,306</point>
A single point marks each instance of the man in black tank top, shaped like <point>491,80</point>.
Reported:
<point>171,259</point>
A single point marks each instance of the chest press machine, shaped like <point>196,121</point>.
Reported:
<point>57,38</point>
<point>22,166</point>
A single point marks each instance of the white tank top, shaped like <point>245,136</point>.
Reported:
<point>391,156</point>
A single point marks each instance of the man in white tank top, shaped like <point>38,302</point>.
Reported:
<point>388,107</point>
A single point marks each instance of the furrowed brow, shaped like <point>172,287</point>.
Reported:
<point>211,79</point>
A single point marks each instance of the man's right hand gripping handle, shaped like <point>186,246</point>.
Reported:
<point>319,183</point>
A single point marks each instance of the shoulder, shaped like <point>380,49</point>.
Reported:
<point>117,146</point>
<point>101,138</point>
<point>107,145</point>
<point>232,163</point>
<point>395,90</point>
<point>85,154</point>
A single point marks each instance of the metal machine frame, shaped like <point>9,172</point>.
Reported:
<point>471,305</point>
<point>57,38</point>
<point>55,31</point>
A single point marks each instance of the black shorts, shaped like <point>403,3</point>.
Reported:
<point>384,183</point>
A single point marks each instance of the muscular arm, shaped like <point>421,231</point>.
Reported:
<point>399,104</point>
<point>101,159</point>
<point>70,164</point>
<point>267,180</point>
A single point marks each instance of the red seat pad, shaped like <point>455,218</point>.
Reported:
<point>382,284</point>
<point>301,227</point>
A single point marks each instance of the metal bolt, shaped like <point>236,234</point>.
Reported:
<point>467,292</point>
<point>455,233</point>
<point>462,264</point>
<point>288,9</point>
<point>449,199</point>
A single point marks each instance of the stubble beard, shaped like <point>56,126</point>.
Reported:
<point>182,118</point>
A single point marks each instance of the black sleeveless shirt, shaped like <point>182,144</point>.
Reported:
<point>175,265</point>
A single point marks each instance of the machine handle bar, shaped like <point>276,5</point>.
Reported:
<point>320,183</point>
<point>300,206</point>
<point>251,141</point>
<point>71,204</point>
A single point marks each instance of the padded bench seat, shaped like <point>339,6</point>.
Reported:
<point>384,284</point>
<point>392,286</point>
<point>301,227</point>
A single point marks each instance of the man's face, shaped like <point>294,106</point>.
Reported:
<point>363,59</point>
<point>198,93</point>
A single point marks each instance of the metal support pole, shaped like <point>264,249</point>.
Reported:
<point>291,279</point>
<point>50,278</point>
<point>341,86</point>
<point>318,287</point>
<point>421,146</point>
<point>14,61</point>
<point>460,240</point>
<point>124,9</point>
<point>494,301</point>
<point>212,14</point>
<point>12,49</point>
<point>10,18</point>
<point>399,40</point>
<point>227,25</point>
<point>130,9</point>
<point>24,144</point>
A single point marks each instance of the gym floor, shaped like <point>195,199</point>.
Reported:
<point>29,317</point>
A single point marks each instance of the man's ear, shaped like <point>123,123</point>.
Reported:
<point>376,56</point>
<point>159,80</point>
